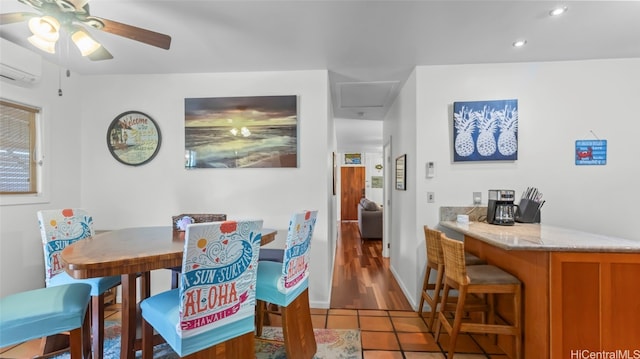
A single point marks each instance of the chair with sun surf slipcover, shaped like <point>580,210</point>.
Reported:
<point>46,312</point>
<point>214,307</point>
<point>286,286</point>
<point>435,262</point>
<point>483,281</point>
<point>58,229</point>
<point>180,223</point>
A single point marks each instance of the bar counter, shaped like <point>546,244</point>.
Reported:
<point>542,237</point>
<point>581,290</point>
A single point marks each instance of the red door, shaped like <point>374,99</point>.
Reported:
<point>351,191</point>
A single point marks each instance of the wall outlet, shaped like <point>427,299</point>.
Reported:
<point>431,198</point>
<point>477,198</point>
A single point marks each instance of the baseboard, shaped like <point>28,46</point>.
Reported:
<point>410,297</point>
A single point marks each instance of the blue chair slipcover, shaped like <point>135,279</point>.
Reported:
<point>58,229</point>
<point>215,302</point>
<point>286,285</point>
<point>46,311</point>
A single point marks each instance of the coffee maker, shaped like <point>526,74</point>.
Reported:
<point>501,209</point>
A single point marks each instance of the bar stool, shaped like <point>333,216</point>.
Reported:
<point>435,262</point>
<point>483,280</point>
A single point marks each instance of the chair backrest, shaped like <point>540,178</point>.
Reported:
<point>295,262</point>
<point>180,221</point>
<point>58,229</point>
<point>434,248</point>
<point>219,271</point>
<point>454,261</point>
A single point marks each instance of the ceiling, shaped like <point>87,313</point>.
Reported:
<point>369,47</point>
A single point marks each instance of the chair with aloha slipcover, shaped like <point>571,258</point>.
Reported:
<point>286,285</point>
<point>58,229</point>
<point>180,223</point>
<point>215,303</point>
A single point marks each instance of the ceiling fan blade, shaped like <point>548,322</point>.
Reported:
<point>100,54</point>
<point>14,17</point>
<point>135,33</point>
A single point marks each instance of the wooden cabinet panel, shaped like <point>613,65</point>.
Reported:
<point>622,309</point>
<point>594,303</point>
<point>578,304</point>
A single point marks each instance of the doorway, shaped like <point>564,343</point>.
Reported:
<point>351,191</point>
<point>386,217</point>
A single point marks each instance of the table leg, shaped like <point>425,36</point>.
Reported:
<point>129,316</point>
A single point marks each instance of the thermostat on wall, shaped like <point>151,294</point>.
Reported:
<point>431,169</point>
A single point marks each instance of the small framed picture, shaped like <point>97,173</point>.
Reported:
<point>352,159</point>
<point>401,173</point>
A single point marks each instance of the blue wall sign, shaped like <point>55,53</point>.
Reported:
<point>591,152</point>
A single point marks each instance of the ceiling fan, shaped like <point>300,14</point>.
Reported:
<point>72,16</point>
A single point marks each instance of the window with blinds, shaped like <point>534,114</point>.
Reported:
<point>17,148</point>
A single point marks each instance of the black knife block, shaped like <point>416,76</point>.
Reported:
<point>528,211</point>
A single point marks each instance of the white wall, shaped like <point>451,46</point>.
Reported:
<point>559,102</point>
<point>21,256</point>
<point>84,174</point>
<point>399,126</point>
<point>123,196</point>
<point>371,160</point>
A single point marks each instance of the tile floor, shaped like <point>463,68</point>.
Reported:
<point>401,335</point>
<point>385,335</point>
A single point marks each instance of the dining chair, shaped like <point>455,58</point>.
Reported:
<point>484,281</point>
<point>48,311</point>
<point>286,285</point>
<point>60,228</point>
<point>179,223</point>
<point>214,306</point>
<point>435,262</point>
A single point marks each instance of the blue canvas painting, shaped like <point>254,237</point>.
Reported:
<point>485,130</point>
<point>235,132</point>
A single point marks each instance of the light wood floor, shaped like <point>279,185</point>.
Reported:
<point>361,276</point>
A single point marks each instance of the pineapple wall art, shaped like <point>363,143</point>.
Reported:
<point>485,130</point>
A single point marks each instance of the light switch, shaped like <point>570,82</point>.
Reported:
<point>477,198</point>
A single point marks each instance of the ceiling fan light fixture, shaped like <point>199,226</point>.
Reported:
<point>85,43</point>
<point>46,28</point>
<point>44,45</point>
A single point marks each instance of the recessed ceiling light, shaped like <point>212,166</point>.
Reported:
<point>558,11</point>
<point>519,43</point>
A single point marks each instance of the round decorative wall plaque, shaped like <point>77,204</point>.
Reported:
<point>133,138</point>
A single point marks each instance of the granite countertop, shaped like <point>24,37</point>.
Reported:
<point>542,237</point>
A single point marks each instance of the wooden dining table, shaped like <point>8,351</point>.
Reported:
<point>130,253</point>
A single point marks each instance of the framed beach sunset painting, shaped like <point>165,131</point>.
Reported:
<point>241,132</point>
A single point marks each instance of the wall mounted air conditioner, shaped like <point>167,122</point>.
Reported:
<point>18,65</point>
